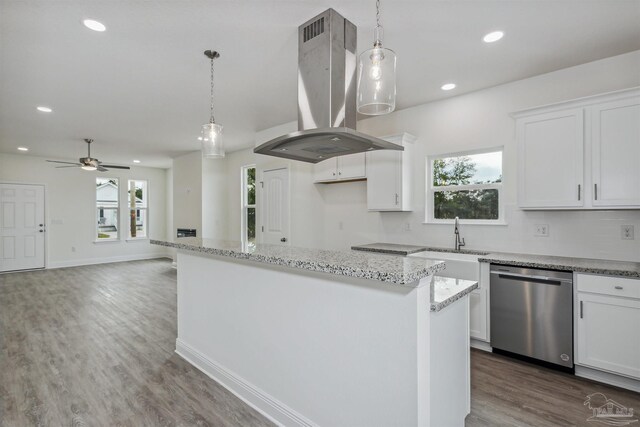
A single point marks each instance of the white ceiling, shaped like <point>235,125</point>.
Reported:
<point>141,88</point>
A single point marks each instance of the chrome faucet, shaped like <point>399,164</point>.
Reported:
<point>456,232</point>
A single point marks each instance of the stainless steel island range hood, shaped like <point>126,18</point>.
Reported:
<point>326,96</point>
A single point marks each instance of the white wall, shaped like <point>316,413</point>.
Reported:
<point>214,193</point>
<point>70,209</point>
<point>336,214</point>
<point>306,201</point>
<point>187,192</point>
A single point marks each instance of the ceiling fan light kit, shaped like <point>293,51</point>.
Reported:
<point>377,76</point>
<point>212,142</point>
<point>88,163</point>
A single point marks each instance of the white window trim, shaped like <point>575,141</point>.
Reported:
<point>117,209</point>
<point>146,209</point>
<point>429,216</point>
<point>244,206</point>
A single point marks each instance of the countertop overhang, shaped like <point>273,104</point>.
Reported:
<point>404,271</point>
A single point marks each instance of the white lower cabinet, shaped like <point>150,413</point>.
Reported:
<point>478,314</point>
<point>608,324</point>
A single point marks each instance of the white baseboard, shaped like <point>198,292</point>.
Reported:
<point>481,345</point>
<point>608,378</point>
<point>262,402</point>
<point>104,260</point>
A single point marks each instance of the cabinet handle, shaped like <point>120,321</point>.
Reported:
<point>578,192</point>
<point>397,199</point>
<point>619,287</point>
<point>581,309</point>
<point>595,190</point>
<point>334,174</point>
<point>339,173</point>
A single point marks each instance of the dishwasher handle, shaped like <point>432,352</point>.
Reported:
<point>550,280</point>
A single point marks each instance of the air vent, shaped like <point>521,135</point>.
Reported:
<point>314,29</point>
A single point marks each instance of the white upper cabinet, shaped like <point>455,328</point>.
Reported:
<point>389,176</point>
<point>341,168</point>
<point>551,159</point>
<point>581,154</point>
<point>615,158</point>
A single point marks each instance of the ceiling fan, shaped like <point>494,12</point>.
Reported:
<point>87,163</point>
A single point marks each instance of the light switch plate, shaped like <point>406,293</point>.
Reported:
<point>542,230</point>
<point>628,232</point>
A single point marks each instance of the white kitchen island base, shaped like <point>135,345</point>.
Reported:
<point>310,348</point>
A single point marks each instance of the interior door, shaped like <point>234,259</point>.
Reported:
<point>275,206</point>
<point>22,227</point>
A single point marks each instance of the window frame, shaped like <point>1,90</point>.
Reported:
<point>145,208</point>
<point>97,208</point>
<point>431,190</point>
<point>245,206</point>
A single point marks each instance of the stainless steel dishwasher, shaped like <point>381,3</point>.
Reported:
<point>532,313</point>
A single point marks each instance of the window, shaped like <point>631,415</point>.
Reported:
<point>107,199</point>
<point>249,205</point>
<point>137,194</point>
<point>466,185</point>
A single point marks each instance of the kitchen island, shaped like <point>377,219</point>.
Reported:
<point>317,337</point>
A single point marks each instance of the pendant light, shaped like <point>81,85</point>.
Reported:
<point>377,76</point>
<point>212,143</point>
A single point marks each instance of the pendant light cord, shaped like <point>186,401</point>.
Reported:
<point>378,32</point>
<point>212,120</point>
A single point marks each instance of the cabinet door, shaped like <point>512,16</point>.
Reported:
<point>326,170</point>
<point>352,166</point>
<point>615,133</point>
<point>384,180</point>
<point>478,314</point>
<point>550,160</point>
<point>608,336</point>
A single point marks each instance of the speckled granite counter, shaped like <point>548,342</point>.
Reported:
<point>385,268</point>
<point>389,248</point>
<point>578,265</point>
<point>446,290</point>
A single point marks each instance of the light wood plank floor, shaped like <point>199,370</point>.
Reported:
<point>94,346</point>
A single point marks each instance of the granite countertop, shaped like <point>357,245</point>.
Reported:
<point>578,265</point>
<point>446,290</point>
<point>397,270</point>
<point>389,248</point>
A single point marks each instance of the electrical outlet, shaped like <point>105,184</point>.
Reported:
<point>407,226</point>
<point>628,232</point>
<point>542,230</point>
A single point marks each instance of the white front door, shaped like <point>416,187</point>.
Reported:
<point>275,206</point>
<point>22,227</point>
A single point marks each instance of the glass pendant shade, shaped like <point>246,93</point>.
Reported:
<point>212,141</point>
<point>377,81</point>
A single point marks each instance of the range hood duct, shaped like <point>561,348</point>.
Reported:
<point>326,96</point>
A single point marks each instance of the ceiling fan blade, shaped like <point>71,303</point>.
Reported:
<point>67,163</point>
<point>74,166</point>
<point>101,169</point>
<point>115,166</point>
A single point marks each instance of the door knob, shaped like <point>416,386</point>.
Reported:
<point>284,239</point>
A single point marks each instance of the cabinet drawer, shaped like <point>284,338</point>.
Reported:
<point>614,286</point>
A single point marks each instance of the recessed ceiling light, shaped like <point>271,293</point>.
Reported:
<point>136,161</point>
<point>493,36</point>
<point>23,149</point>
<point>448,86</point>
<point>44,109</point>
<point>94,25</point>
